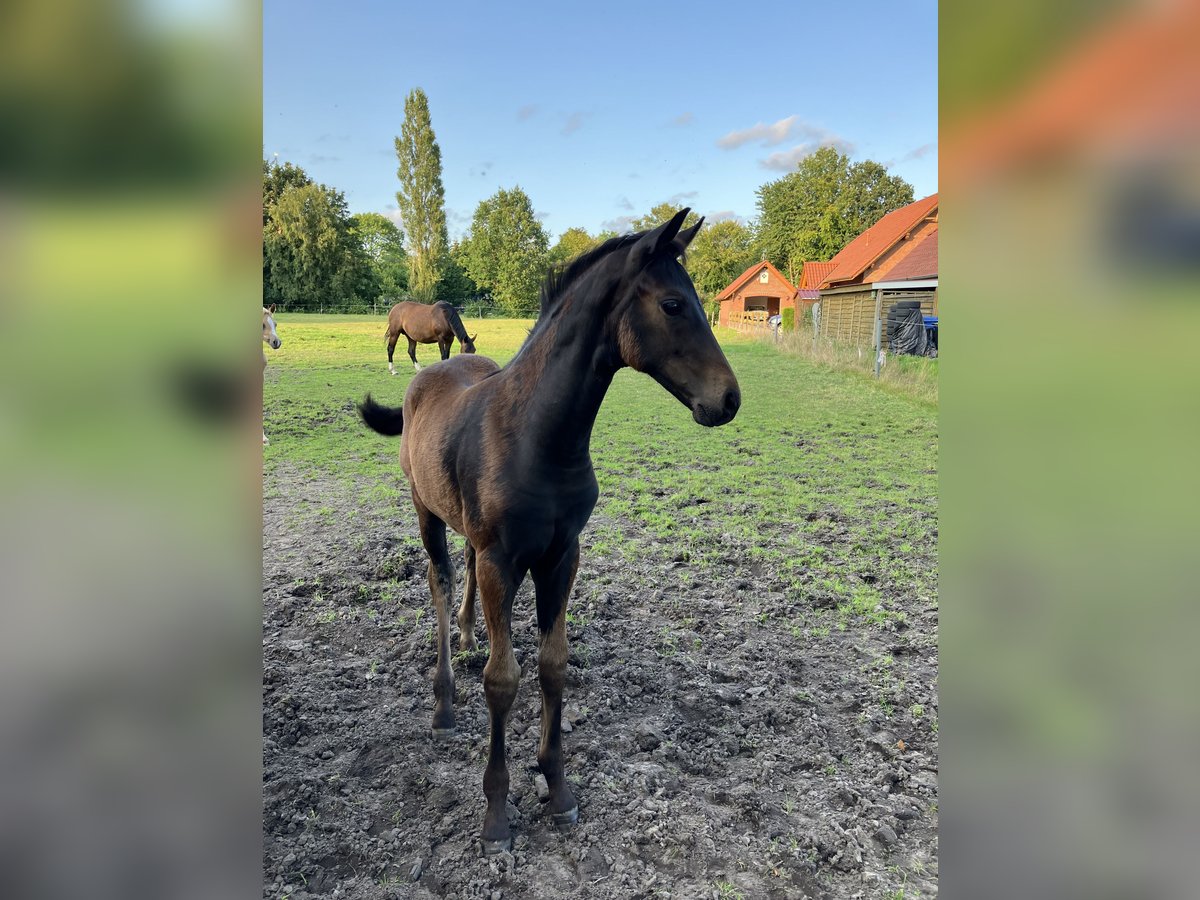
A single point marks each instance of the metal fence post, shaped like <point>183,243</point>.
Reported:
<point>878,329</point>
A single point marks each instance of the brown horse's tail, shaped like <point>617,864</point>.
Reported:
<point>382,419</point>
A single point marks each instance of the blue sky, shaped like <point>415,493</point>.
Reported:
<point>599,111</point>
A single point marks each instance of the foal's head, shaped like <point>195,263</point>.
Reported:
<point>468,346</point>
<point>660,326</point>
<point>270,338</point>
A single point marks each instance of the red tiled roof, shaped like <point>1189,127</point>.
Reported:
<point>811,276</point>
<point>856,256</point>
<point>920,262</point>
<point>814,273</point>
<point>750,273</point>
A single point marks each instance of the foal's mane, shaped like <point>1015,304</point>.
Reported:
<point>562,276</point>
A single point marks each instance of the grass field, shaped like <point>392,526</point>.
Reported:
<point>811,449</point>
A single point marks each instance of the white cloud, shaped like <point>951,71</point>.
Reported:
<point>526,112</point>
<point>620,224</point>
<point>787,160</point>
<point>574,122</point>
<point>723,215</point>
<point>683,119</point>
<point>769,135</point>
<point>919,152</point>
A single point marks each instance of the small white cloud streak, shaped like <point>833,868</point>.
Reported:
<point>769,135</point>
<point>787,160</point>
<point>574,122</point>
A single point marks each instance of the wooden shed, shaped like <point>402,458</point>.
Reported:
<point>893,260</point>
<point>754,296</point>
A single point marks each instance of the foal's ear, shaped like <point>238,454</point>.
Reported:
<point>271,309</point>
<point>653,243</point>
<point>685,237</point>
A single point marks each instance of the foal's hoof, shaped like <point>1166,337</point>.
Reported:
<point>563,819</point>
<point>491,848</point>
<point>444,734</point>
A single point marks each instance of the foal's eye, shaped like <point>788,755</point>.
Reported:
<point>672,307</point>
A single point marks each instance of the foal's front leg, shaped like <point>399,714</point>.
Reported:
<point>498,581</point>
<point>553,582</point>
<point>412,354</point>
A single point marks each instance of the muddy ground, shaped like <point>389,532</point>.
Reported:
<point>714,752</point>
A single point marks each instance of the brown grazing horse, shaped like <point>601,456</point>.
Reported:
<point>423,323</point>
<point>502,457</point>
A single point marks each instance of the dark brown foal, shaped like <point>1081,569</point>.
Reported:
<point>502,457</point>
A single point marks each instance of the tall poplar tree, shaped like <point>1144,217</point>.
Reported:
<point>421,197</point>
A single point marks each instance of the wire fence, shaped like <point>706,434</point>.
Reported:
<point>916,375</point>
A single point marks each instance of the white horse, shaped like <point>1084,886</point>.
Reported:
<point>271,339</point>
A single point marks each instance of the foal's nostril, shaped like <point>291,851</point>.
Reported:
<point>733,400</point>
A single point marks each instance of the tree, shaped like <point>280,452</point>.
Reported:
<point>507,250</point>
<point>571,243</point>
<point>812,213</point>
<point>278,177</point>
<point>718,254</point>
<point>383,244</point>
<point>663,212</point>
<point>314,259</point>
<point>456,285</point>
<point>421,197</point>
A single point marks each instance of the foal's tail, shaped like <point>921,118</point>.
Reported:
<point>382,419</point>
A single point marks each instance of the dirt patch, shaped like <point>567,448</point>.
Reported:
<point>714,752</point>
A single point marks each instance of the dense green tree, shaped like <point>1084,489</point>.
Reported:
<point>718,254</point>
<point>383,243</point>
<point>810,214</point>
<point>507,251</point>
<point>313,257</point>
<point>456,285</point>
<point>421,197</point>
<point>663,212</point>
<point>278,177</point>
<point>570,244</point>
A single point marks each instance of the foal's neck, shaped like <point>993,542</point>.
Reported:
<point>563,373</point>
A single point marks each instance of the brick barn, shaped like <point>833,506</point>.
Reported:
<point>893,260</point>
<point>761,289</point>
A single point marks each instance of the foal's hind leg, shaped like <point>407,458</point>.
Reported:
<point>466,612</point>
<point>441,586</point>
<point>412,354</point>
<point>553,583</point>
<point>498,582</point>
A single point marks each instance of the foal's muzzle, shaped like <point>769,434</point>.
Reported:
<point>718,413</point>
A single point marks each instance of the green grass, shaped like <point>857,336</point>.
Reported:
<point>825,483</point>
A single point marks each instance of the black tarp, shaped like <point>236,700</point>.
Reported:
<point>906,330</point>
